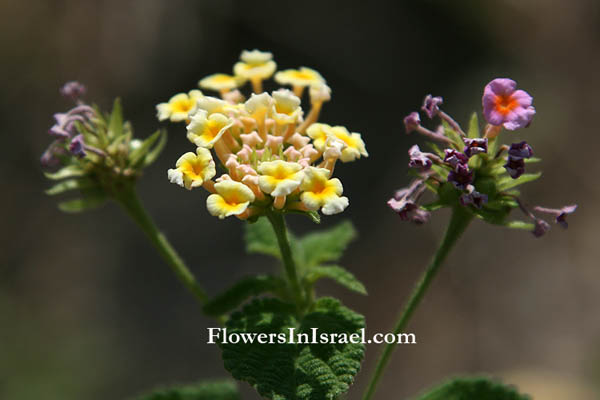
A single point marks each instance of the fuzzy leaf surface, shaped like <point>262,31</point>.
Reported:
<point>217,390</point>
<point>326,246</point>
<point>242,291</point>
<point>471,389</point>
<point>294,371</point>
<point>338,274</point>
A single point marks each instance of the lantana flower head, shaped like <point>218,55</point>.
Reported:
<point>474,171</point>
<point>275,158</point>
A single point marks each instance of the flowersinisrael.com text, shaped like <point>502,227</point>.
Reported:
<point>221,335</point>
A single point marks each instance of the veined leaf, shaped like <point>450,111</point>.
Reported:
<point>242,291</point>
<point>320,247</point>
<point>216,390</point>
<point>260,238</point>
<point>508,182</point>
<point>70,171</point>
<point>338,274</point>
<point>83,204</point>
<point>70,184</point>
<point>473,389</point>
<point>293,371</point>
<point>473,131</point>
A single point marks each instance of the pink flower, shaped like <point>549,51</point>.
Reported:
<point>504,105</point>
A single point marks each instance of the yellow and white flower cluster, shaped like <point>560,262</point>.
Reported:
<point>274,155</point>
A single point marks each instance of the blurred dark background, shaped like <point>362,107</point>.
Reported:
<point>89,311</point>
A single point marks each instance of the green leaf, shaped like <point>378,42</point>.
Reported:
<point>260,238</point>
<point>70,184</point>
<point>138,155</point>
<point>508,182</point>
<point>473,389</point>
<point>473,131</point>
<point>70,171</point>
<point>83,204</point>
<point>115,124</point>
<point>532,160</point>
<point>240,292</point>
<point>294,371</point>
<point>216,390</point>
<point>527,226</point>
<point>338,274</point>
<point>155,152</point>
<point>328,245</point>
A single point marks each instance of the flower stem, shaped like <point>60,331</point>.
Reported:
<point>458,224</point>
<point>277,220</point>
<point>129,200</point>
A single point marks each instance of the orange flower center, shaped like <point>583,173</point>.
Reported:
<point>505,104</point>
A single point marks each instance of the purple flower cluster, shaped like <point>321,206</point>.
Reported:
<point>503,107</point>
<point>68,139</point>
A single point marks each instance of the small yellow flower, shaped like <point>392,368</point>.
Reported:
<point>205,130</point>
<point>318,191</point>
<point>319,133</point>
<point>279,178</point>
<point>220,82</point>
<point>178,107</point>
<point>355,147</point>
<point>232,198</point>
<point>255,64</point>
<point>192,170</point>
<point>299,77</point>
<point>286,107</point>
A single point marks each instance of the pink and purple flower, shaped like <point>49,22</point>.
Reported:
<point>506,106</point>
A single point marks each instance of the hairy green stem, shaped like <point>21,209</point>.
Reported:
<point>129,200</point>
<point>458,224</point>
<point>277,220</point>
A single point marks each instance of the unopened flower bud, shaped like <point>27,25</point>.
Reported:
<point>519,151</point>
<point>541,227</point>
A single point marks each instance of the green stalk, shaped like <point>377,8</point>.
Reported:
<point>277,220</point>
<point>458,224</point>
<point>127,197</point>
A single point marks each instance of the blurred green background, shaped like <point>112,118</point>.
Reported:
<point>89,311</point>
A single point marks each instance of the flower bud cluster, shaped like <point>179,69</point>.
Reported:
<point>94,151</point>
<point>472,170</point>
<point>273,154</point>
